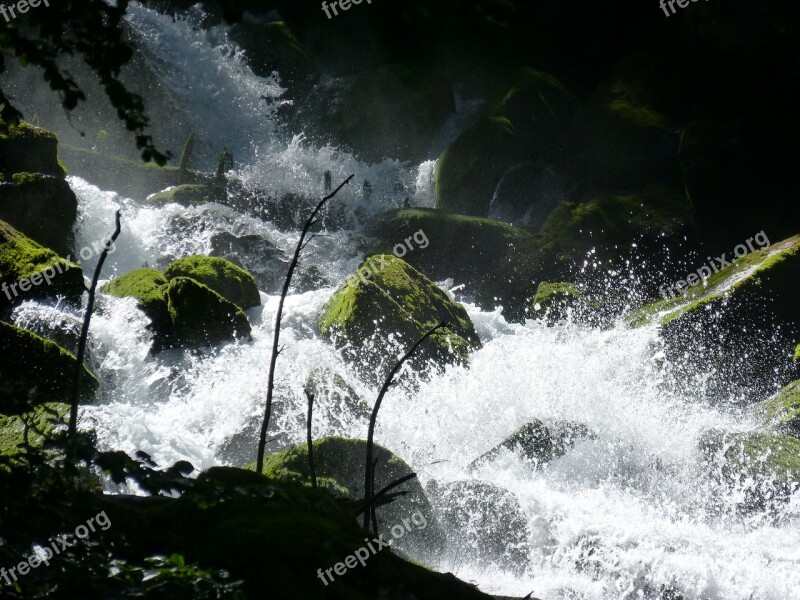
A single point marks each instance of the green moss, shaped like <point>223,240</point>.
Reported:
<point>739,277</point>
<point>40,422</point>
<point>24,130</point>
<point>36,370</point>
<point>23,259</point>
<point>781,413</point>
<point>200,316</point>
<point>766,454</point>
<point>149,287</point>
<point>554,299</point>
<point>26,178</point>
<point>231,282</point>
<point>797,353</point>
<point>397,299</point>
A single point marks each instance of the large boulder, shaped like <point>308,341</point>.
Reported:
<point>611,229</point>
<point>29,271</point>
<point>528,124</point>
<point>35,371</point>
<point>746,311</point>
<point>339,463</point>
<point>231,282</point>
<point>25,148</point>
<point>308,541</point>
<point>31,428</point>
<point>386,307</point>
<point>469,169</point>
<point>183,312</point>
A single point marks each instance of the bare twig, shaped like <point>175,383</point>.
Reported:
<point>311,469</point>
<point>385,491</point>
<point>76,384</point>
<point>374,417</point>
<point>262,440</point>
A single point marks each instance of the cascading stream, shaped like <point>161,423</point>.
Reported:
<point>630,507</point>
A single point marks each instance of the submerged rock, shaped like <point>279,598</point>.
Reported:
<point>29,271</point>
<point>485,524</point>
<point>538,443</point>
<point>35,371</point>
<point>231,282</point>
<point>387,307</point>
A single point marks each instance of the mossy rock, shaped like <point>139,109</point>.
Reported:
<point>301,532</point>
<point>607,224</point>
<point>797,353</point>
<point>765,465</point>
<point>25,148</point>
<point>340,462</point>
<point>554,301</point>
<point>35,371</point>
<point>538,443</point>
<point>469,169</point>
<point>189,194</point>
<point>460,247</point>
<point>395,300</point>
<point>39,422</point>
<point>23,259</point>
<point>231,282</point>
<point>781,413</point>
<point>771,272</point>
<point>200,316</point>
<point>149,288</point>
<point>183,312</point>
<point>43,207</point>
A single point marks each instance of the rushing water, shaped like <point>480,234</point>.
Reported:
<point>626,513</point>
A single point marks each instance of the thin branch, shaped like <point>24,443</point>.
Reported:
<point>374,417</point>
<point>310,442</point>
<point>262,440</point>
<point>385,491</point>
<point>372,510</point>
<point>76,384</point>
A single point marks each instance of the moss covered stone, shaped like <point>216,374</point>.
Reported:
<point>394,300</point>
<point>39,422</point>
<point>297,530</point>
<point>35,370</point>
<point>148,287</point>
<point>781,413</point>
<point>29,149</point>
<point>182,311</point>
<point>189,194</point>
<point>200,316</point>
<point>468,170</point>
<point>770,272</point>
<point>555,300</point>
<point>231,282</point>
<point>23,260</point>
